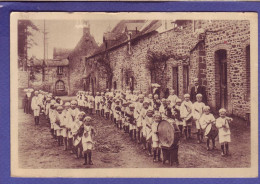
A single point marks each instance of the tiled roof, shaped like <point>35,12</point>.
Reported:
<point>51,62</point>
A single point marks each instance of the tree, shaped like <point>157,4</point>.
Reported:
<point>25,41</point>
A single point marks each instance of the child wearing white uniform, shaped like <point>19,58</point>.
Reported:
<point>98,103</point>
<point>87,140</point>
<point>36,107</point>
<point>59,120</point>
<point>65,124</point>
<point>198,107</point>
<point>172,97</point>
<point>186,115</point>
<point>207,119</point>
<point>222,123</point>
<point>155,139</point>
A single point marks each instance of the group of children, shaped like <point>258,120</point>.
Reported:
<point>71,127</point>
<point>139,116</point>
<point>135,114</point>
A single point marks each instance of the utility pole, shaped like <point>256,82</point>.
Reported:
<point>44,50</point>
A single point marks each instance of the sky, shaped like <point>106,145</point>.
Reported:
<point>65,34</point>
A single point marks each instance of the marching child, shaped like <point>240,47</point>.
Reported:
<point>107,106</point>
<point>87,140</point>
<point>65,124</point>
<point>197,113</point>
<point>148,130</point>
<point>91,101</point>
<point>172,97</point>
<point>73,113</point>
<point>137,116</point>
<point>156,147</point>
<point>143,122</point>
<point>156,103</point>
<point>117,114</point>
<point>186,115</point>
<point>77,132</point>
<point>36,107</point>
<point>177,114</point>
<point>102,102</point>
<point>123,115</point>
<point>98,103</point>
<point>131,121</point>
<point>207,122</point>
<point>59,120</point>
<point>52,115</point>
<point>222,123</point>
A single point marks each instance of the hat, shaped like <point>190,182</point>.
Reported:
<point>97,93</point>
<point>157,114</point>
<point>59,107</point>
<point>131,106</point>
<point>178,100</point>
<point>187,95</point>
<point>87,119</point>
<point>206,108</point>
<point>73,102</point>
<point>222,110</point>
<point>146,102</point>
<point>141,96</point>
<point>36,92</point>
<point>199,95</point>
<point>67,104</point>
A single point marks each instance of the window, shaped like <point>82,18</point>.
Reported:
<point>60,70</point>
<point>60,86</point>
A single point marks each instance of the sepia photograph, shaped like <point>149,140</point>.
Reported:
<point>134,94</point>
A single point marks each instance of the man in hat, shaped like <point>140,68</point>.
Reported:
<point>36,107</point>
<point>198,89</point>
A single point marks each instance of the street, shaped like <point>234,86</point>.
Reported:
<point>114,149</point>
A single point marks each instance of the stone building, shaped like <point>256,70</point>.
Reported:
<point>52,76</point>
<point>172,53</point>
<point>85,47</point>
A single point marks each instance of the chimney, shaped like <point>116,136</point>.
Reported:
<point>86,28</point>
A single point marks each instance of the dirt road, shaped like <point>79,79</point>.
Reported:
<point>37,149</point>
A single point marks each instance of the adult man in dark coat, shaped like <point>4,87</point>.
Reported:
<point>196,90</point>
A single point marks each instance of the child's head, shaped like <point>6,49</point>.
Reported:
<point>97,93</point>
<point>206,110</point>
<point>66,105</point>
<point>178,102</point>
<point>36,93</point>
<point>199,97</point>
<point>168,102</point>
<point>187,97</point>
<point>157,117</point>
<point>150,113</point>
<point>141,98</point>
<point>156,96</point>
<point>73,104</point>
<point>59,109</point>
<point>132,107</point>
<point>150,96</point>
<point>172,92</point>
<point>81,115</point>
<point>146,104</point>
<point>222,113</point>
<point>88,121</point>
<point>163,101</point>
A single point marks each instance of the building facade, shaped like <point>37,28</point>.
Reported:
<point>217,52</point>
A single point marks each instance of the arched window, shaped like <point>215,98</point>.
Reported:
<point>60,86</point>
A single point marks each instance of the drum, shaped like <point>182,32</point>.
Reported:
<point>211,131</point>
<point>168,133</point>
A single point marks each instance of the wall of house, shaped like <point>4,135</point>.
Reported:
<point>193,45</point>
<point>86,46</point>
<point>51,77</point>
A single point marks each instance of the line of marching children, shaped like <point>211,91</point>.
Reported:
<point>132,113</point>
<point>139,116</point>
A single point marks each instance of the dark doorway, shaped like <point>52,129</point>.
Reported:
<point>175,80</point>
<point>115,85</point>
<point>221,78</point>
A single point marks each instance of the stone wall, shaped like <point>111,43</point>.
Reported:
<point>191,49</point>
<point>86,46</point>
